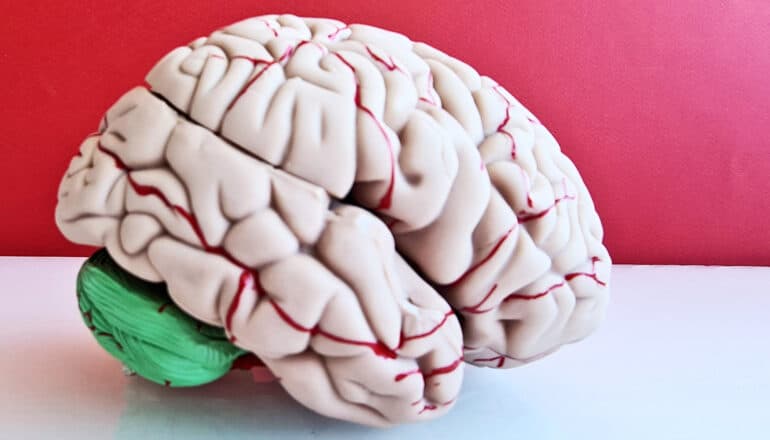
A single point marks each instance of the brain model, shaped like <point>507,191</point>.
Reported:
<point>361,212</point>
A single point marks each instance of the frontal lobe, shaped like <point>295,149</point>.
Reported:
<point>313,287</point>
<point>474,189</point>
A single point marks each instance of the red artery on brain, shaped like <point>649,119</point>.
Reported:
<point>476,309</point>
<point>500,359</point>
<point>387,199</point>
<point>270,26</point>
<point>528,185</point>
<point>389,64</point>
<point>336,32</point>
<point>531,296</point>
<point>256,62</point>
<point>593,275</point>
<point>524,217</point>
<point>435,372</point>
<point>429,99</point>
<point>488,257</point>
<point>501,128</point>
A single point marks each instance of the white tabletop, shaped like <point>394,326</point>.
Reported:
<point>684,353</point>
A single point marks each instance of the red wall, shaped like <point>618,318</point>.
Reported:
<point>664,106</point>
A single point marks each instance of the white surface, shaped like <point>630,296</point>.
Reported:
<point>684,353</point>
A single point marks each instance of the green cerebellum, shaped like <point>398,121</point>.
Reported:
<point>136,322</point>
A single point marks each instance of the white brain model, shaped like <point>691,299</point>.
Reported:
<point>331,195</point>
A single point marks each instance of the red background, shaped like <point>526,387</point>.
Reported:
<point>664,106</point>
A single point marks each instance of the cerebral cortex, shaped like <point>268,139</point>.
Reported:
<point>362,212</point>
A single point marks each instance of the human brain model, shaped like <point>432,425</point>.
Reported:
<point>335,197</point>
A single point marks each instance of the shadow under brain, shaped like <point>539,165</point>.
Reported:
<point>236,407</point>
<point>233,406</point>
